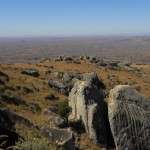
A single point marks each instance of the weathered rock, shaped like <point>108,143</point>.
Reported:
<point>47,71</point>
<point>78,76</point>
<point>54,119</point>
<point>46,112</point>
<point>129,116</point>
<point>9,118</point>
<point>67,58</point>
<point>3,78</point>
<point>126,67</point>
<point>58,86</point>
<point>7,122</point>
<point>62,137</point>
<point>13,100</point>
<point>3,74</point>
<point>88,107</point>
<point>93,78</point>
<point>67,77</point>
<point>8,138</point>
<point>31,72</point>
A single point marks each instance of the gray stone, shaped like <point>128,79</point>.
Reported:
<point>93,78</point>
<point>88,107</point>
<point>61,137</point>
<point>57,120</point>
<point>129,116</point>
<point>9,118</point>
<point>8,138</point>
<point>67,77</point>
<point>126,67</point>
<point>31,72</point>
<point>58,86</point>
<point>54,119</point>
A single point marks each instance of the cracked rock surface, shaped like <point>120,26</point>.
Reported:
<point>129,116</point>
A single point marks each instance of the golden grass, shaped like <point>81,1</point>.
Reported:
<point>41,89</point>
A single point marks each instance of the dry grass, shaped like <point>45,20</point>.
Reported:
<point>41,89</point>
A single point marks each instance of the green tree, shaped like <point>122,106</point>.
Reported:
<point>64,110</point>
<point>2,89</point>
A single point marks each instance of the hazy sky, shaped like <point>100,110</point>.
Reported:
<point>74,17</point>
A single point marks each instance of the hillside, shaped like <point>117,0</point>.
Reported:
<point>26,94</point>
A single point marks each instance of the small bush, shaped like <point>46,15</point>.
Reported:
<point>2,89</point>
<point>35,108</point>
<point>51,96</point>
<point>64,110</point>
<point>33,144</point>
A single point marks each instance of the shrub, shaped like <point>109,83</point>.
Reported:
<point>64,110</point>
<point>51,96</point>
<point>33,144</point>
<point>2,89</point>
<point>35,108</point>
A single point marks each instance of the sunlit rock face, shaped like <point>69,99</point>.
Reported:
<point>62,137</point>
<point>129,116</point>
<point>88,106</point>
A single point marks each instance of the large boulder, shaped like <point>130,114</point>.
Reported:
<point>129,116</point>
<point>89,108</point>
<point>7,122</point>
<point>31,72</point>
<point>61,137</point>
<point>54,119</point>
<point>58,86</point>
<point>8,138</point>
<point>93,78</point>
<point>3,78</point>
<point>67,77</point>
<point>9,118</point>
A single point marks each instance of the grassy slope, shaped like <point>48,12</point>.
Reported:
<point>41,88</point>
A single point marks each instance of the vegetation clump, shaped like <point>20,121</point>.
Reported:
<point>2,89</point>
<point>35,108</point>
<point>51,96</point>
<point>64,110</point>
<point>33,144</point>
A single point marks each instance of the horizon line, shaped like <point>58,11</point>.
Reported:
<point>79,35</point>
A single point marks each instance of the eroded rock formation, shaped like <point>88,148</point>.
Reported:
<point>9,118</point>
<point>129,116</point>
<point>93,78</point>
<point>88,107</point>
<point>62,137</point>
<point>7,122</point>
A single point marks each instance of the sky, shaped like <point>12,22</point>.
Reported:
<point>74,17</point>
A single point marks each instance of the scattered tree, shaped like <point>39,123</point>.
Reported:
<point>64,110</point>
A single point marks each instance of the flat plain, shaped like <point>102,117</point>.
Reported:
<point>126,48</point>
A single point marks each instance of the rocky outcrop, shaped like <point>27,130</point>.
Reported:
<point>7,122</point>
<point>88,107</point>
<point>13,100</point>
<point>67,77</point>
<point>61,137</point>
<point>58,86</point>
<point>93,78</point>
<point>129,116</point>
<point>8,138</point>
<point>3,78</point>
<point>9,118</point>
<point>68,81</point>
<point>54,119</point>
<point>31,72</point>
